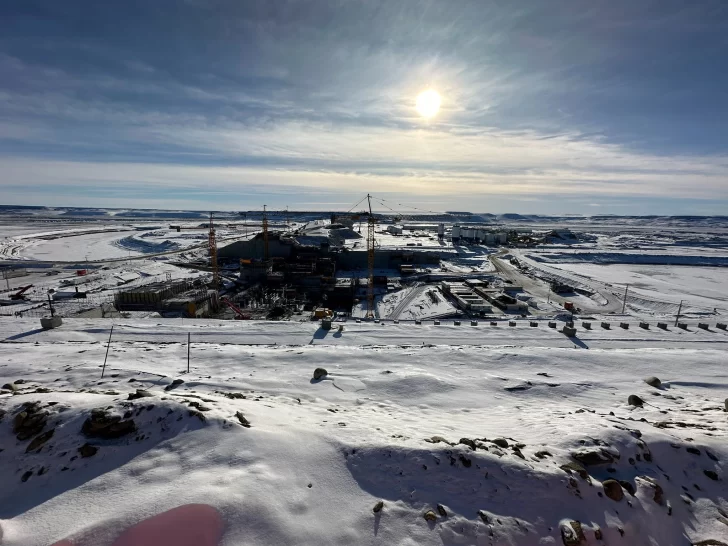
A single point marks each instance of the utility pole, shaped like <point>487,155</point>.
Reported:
<point>677,317</point>
<point>624,301</point>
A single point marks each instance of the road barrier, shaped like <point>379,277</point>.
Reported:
<point>720,326</point>
<point>644,325</point>
<point>662,325</point>
<point>606,325</point>
<point>552,324</point>
<point>586,325</point>
<point>624,325</point>
<point>703,326</point>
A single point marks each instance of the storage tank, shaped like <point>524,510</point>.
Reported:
<point>440,231</point>
<point>502,238</point>
<point>456,233</point>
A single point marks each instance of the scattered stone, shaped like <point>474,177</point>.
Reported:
<point>483,515</point>
<point>437,440</point>
<point>613,490</point>
<point>711,474</point>
<point>589,456</point>
<point>235,395</point>
<point>26,476</point>
<point>87,450</point>
<point>42,470</point>
<point>199,415</point>
<point>242,419</point>
<point>103,425</point>
<point>709,542</point>
<point>634,400</point>
<point>693,450</point>
<point>573,466</point>
<point>198,406</point>
<point>19,381</point>
<point>430,516</point>
<point>543,454</point>
<point>708,453</point>
<point>30,421</point>
<point>627,486</point>
<point>140,393</point>
<point>501,442</point>
<point>320,373</point>
<point>378,507</point>
<point>468,442</point>
<point>10,387</point>
<point>598,533</point>
<point>653,382</point>
<point>572,534</point>
<point>2,414</point>
<point>176,383</point>
<point>467,463</point>
<point>38,441</point>
<point>658,494</point>
<point>441,510</point>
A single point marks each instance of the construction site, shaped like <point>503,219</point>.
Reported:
<point>376,261</point>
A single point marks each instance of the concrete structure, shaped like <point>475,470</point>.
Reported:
<point>465,297</point>
<point>394,229</point>
<point>178,298</point>
<point>48,323</point>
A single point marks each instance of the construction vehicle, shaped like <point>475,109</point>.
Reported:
<point>322,312</point>
<point>19,294</point>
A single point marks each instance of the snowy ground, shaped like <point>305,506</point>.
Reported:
<point>393,421</point>
<point>700,286</point>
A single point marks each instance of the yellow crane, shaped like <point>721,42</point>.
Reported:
<point>370,256</point>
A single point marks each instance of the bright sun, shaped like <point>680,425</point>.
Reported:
<point>428,103</point>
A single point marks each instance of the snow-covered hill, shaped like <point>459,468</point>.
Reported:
<point>506,445</point>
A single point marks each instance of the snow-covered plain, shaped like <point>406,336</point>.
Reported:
<point>393,421</point>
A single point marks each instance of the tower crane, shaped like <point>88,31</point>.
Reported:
<point>370,256</point>
<point>212,245</point>
<point>266,250</point>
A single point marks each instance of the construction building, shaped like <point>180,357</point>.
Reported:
<point>180,297</point>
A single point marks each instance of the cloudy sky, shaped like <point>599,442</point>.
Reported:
<point>560,106</point>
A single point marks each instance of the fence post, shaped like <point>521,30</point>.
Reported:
<point>188,352</point>
<point>107,351</point>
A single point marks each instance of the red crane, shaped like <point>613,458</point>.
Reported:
<point>19,294</point>
<point>238,312</point>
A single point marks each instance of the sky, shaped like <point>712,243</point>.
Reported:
<point>565,106</point>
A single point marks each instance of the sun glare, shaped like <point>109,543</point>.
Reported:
<point>428,103</point>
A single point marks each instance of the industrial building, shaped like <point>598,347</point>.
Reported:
<point>466,234</point>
